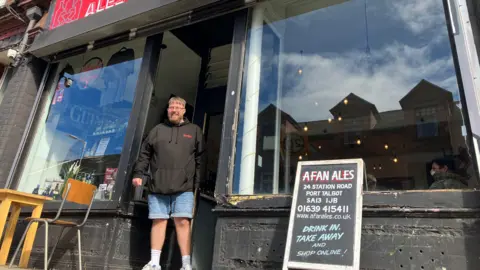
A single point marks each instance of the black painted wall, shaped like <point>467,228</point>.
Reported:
<point>256,240</point>
<point>109,241</point>
<point>114,241</point>
<point>20,92</point>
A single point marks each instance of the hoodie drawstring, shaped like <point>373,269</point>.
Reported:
<point>171,135</point>
<point>178,131</point>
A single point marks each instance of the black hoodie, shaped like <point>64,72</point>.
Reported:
<point>175,155</point>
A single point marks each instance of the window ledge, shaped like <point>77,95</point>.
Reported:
<point>415,199</point>
<point>366,212</point>
<point>71,208</point>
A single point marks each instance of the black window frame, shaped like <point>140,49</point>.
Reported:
<point>151,53</point>
<point>122,201</point>
<point>422,201</point>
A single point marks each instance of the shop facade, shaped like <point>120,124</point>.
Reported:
<point>270,83</point>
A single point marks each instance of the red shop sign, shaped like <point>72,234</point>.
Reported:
<point>67,11</point>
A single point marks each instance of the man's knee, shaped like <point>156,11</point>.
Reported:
<point>182,222</point>
<point>159,222</point>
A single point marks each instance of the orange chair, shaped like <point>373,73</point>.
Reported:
<point>76,192</point>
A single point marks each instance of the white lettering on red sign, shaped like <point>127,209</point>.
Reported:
<point>101,5</point>
<point>67,11</point>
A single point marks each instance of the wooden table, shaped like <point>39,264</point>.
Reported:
<point>17,200</point>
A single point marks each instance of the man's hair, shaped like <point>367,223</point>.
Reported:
<point>177,99</point>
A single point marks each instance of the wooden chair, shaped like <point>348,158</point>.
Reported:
<point>76,192</point>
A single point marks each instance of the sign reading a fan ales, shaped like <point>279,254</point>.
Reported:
<point>67,11</point>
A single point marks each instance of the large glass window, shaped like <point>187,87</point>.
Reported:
<point>80,131</point>
<point>370,79</point>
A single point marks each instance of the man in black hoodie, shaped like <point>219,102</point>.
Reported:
<point>174,151</point>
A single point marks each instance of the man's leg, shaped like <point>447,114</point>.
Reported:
<point>182,226</point>
<point>182,213</point>
<point>159,210</point>
<point>157,238</point>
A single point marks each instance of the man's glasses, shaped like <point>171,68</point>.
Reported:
<point>175,108</point>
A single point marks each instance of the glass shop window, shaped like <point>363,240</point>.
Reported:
<point>81,129</point>
<point>352,79</point>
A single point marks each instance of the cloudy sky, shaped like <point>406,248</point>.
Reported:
<point>408,42</point>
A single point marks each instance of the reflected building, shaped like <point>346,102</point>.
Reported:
<point>397,146</point>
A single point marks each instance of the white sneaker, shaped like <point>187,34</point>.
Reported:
<point>187,267</point>
<point>148,266</point>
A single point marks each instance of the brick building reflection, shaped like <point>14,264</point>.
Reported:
<point>397,146</point>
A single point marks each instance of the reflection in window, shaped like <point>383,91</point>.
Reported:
<point>427,125</point>
<point>351,79</point>
<point>81,130</point>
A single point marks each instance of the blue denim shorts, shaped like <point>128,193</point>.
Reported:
<point>166,206</point>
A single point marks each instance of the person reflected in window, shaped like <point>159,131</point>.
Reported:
<point>444,177</point>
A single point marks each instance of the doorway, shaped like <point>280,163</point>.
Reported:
<point>194,65</point>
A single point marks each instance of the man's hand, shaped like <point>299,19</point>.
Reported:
<point>137,182</point>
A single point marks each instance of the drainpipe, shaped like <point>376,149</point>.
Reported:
<point>34,14</point>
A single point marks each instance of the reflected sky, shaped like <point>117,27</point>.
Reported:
<point>95,110</point>
<point>376,49</point>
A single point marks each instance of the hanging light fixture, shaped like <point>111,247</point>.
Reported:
<point>300,157</point>
<point>359,141</point>
<point>395,159</point>
<point>386,146</point>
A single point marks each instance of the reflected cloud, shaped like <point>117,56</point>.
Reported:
<point>418,16</point>
<point>383,78</point>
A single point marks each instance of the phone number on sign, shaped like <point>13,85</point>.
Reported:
<point>325,209</point>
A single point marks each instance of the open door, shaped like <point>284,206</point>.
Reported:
<point>194,66</point>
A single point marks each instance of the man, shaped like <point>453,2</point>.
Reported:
<point>174,150</point>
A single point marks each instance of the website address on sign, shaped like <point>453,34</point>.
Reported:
<point>323,216</point>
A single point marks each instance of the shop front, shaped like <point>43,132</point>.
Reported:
<point>270,83</point>
<point>104,88</point>
<point>390,82</point>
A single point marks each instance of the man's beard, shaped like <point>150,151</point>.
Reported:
<point>175,119</point>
